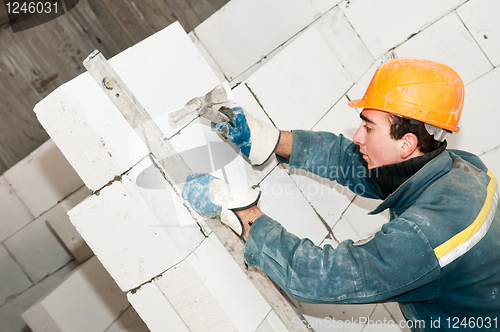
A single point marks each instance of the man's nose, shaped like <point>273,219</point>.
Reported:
<point>358,137</point>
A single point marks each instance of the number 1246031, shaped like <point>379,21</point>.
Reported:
<point>14,7</point>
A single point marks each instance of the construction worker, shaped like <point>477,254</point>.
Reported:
<point>438,256</point>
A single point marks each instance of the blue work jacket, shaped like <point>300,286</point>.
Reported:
<point>438,256</point>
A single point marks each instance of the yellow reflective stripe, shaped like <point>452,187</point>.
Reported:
<point>484,218</point>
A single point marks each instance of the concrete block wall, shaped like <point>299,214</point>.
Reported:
<point>302,72</point>
<point>40,250</point>
<point>88,299</point>
<point>34,193</point>
<point>158,251</point>
<point>292,64</point>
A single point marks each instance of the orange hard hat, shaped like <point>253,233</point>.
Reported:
<point>423,90</point>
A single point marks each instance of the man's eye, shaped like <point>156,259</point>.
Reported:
<point>368,129</point>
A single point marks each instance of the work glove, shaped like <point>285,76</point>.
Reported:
<point>213,198</point>
<point>254,138</point>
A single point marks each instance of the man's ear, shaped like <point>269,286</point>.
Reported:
<point>409,145</point>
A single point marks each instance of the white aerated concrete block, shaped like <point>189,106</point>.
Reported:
<point>351,318</point>
<point>283,201</point>
<point>43,178</point>
<point>480,116</point>
<point>89,131</point>
<point>442,42</point>
<point>492,160</point>
<point>163,71</point>
<point>384,24</point>
<point>344,42</point>
<point>15,215</point>
<point>343,230</point>
<point>87,300</point>
<point>129,321</point>
<point>246,99</point>
<point>395,312</point>
<point>137,231</point>
<point>37,250</point>
<point>481,19</point>
<point>357,214</point>
<point>211,293</point>
<point>13,279</point>
<point>245,31</point>
<point>301,83</point>
<point>58,219</point>
<point>206,55</point>
<point>341,119</point>
<point>335,317</point>
<point>206,152</point>
<point>382,321</point>
<point>328,198</point>
<point>155,309</point>
<point>273,323</point>
<point>10,312</point>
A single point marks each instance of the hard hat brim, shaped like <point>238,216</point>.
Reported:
<point>360,103</point>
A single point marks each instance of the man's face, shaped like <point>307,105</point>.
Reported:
<point>374,140</point>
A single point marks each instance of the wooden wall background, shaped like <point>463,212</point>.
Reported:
<point>60,46</point>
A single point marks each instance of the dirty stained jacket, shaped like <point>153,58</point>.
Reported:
<point>438,256</point>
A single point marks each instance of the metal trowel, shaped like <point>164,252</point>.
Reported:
<point>208,106</point>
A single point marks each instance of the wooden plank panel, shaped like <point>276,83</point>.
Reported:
<point>20,69</point>
<point>3,15</point>
<point>64,48</point>
<point>202,8</point>
<point>60,46</point>
<point>100,16</point>
<point>99,27</point>
<point>21,133</point>
<point>219,3</point>
<point>159,14</point>
<point>39,45</point>
<point>129,19</point>
<point>185,14</point>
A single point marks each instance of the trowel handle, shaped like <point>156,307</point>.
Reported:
<point>228,112</point>
<point>192,106</point>
<point>179,115</point>
<point>215,115</point>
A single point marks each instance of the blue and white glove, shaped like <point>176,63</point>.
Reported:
<point>254,138</point>
<point>213,198</point>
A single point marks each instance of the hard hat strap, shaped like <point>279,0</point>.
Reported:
<point>438,133</point>
<point>414,122</point>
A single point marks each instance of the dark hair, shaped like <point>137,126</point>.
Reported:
<point>401,126</point>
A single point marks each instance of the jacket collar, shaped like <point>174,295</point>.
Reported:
<point>386,179</point>
<point>408,192</point>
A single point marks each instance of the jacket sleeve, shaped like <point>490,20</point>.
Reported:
<point>398,264</point>
<point>330,156</point>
